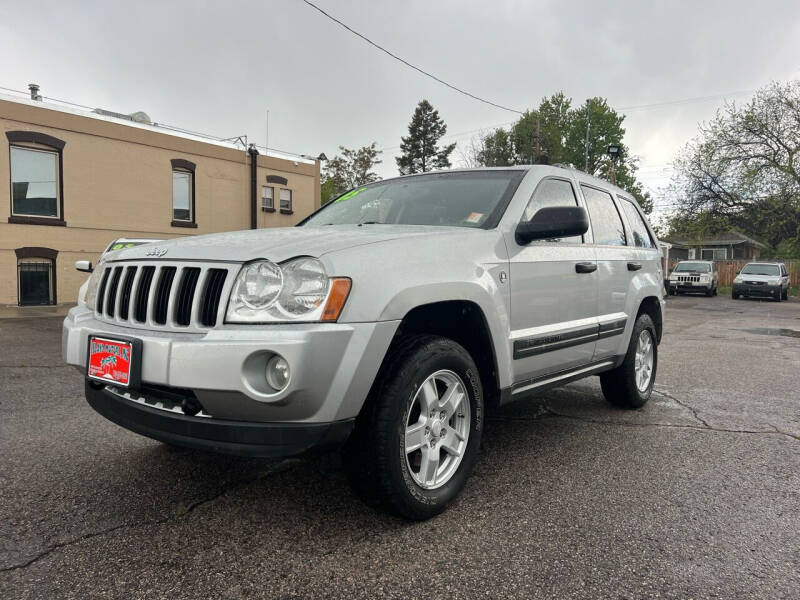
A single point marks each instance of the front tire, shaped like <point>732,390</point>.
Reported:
<point>417,439</point>
<point>630,384</point>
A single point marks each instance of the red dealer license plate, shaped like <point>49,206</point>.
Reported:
<point>110,360</point>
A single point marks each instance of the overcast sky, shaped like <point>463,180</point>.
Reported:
<point>217,67</point>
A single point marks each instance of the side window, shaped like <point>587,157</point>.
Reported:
<point>607,225</point>
<point>553,192</point>
<point>641,236</point>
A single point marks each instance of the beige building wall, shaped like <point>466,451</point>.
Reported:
<point>117,182</point>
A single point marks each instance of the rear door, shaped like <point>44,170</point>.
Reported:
<point>553,293</point>
<point>614,259</point>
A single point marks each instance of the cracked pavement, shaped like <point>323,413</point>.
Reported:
<point>696,495</point>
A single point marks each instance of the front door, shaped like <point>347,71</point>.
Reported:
<point>553,287</point>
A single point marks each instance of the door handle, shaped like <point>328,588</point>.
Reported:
<point>585,267</point>
<point>632,266</point>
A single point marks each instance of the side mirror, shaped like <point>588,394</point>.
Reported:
<point>553,222</point>
<point>84,266</point>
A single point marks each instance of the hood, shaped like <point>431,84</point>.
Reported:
<point>277,244</point>
<point>748,277</point>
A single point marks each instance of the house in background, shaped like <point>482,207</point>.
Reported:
<point>727,245</point>
<point>72,180</point>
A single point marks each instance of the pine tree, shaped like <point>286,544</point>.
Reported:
<point>420,152</point>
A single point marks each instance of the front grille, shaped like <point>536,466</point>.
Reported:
<point>683,278</point>
<point>163,295</point>
<point>755,282</point>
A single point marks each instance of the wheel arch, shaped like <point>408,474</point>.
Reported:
<point>651,306</point>
<point>464,322</point>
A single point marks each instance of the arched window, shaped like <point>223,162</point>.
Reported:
<point>36,276</point>
<point>37,190</point>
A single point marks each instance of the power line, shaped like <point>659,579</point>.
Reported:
<point>408,64</point>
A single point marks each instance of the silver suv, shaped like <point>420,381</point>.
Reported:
<point>762,280</point>
<point>385,324</point>
<point>694,276</point>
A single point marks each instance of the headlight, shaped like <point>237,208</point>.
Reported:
<point>773,282</point>
<point>94,282</point>
<point>737,279</point>
<point>298,290</point>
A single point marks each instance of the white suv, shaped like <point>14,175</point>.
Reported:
<point>385,323</point>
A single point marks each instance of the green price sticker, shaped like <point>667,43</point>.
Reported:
<point>349,195</point>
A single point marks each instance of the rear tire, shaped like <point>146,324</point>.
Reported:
<point>734,295</point>
<point>625,386</point>
<point>407,400</point>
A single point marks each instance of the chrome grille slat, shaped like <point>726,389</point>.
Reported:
<point>111,294</point>
<point>165,295</point>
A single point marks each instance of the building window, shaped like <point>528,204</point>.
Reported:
<point>286,201</point>
<point>36,178</point>
<point>183,213</point>
<point>714,253</point>
<point>267,198</point>
<point>36,276</point>
<point>34,182</point>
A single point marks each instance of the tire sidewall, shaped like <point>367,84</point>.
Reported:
<point>461,364</point>
<point>644,322</point>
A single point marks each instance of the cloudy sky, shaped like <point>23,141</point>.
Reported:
<point>217,67</point>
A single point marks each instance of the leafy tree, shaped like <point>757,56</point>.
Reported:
<point>744,167</point>
<point>562,136</point>
<point>351,168</point>
<point>420,152</point>
<point>327,190</point>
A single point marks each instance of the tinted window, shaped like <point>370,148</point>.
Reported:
<point>457,199</point>
<point>552,192</point>
<point>641,237</point>
<point>607,226</point>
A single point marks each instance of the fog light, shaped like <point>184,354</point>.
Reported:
<point>277,372</point>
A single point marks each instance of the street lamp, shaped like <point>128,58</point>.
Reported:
<point>614,151</point>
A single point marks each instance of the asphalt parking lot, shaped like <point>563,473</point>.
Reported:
<point>695,496</point>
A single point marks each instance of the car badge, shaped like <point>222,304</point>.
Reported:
<point>157,252</point>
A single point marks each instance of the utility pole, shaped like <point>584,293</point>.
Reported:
<point>586,144</point>
<point>536,151</point>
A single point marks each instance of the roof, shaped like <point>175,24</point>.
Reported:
<point>725,238</point>
<point>105,115</point>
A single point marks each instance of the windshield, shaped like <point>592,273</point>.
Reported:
<point>696,267</point>
<point>456,199</point>
<point>754,269</point>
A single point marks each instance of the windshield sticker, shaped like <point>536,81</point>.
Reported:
<point>349,194</point>
<point>475,218</point>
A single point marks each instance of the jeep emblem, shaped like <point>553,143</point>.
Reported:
<point>157,252</point>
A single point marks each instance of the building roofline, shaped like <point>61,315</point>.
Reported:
<point>154,128</point>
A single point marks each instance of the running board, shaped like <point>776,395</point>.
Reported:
<point>558,378</point>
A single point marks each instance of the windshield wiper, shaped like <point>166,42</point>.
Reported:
<point>368,223</point>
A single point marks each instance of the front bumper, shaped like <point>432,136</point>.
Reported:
<point>242,438</point>
<point>762,291</point>
<point>332,365</point>
<point>681,286</point>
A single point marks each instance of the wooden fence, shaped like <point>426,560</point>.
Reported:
<point>727,270</point>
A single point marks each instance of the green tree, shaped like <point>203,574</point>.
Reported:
<point>744,167</point>
<point>420,152</point>
<point>562,139</point>
<point>350,168</point>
